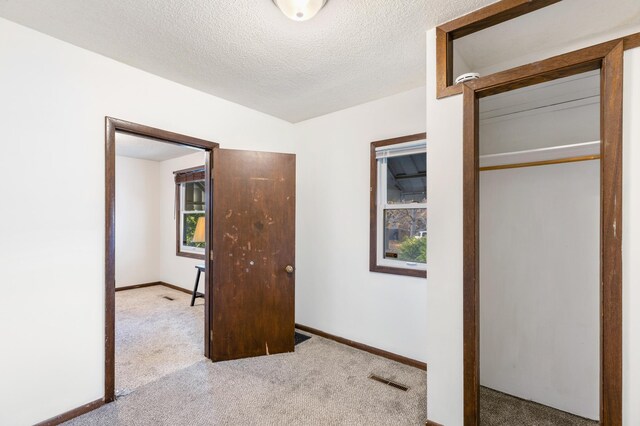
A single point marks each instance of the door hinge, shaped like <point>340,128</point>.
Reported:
<point>210,254</point>
<point>212,174</point>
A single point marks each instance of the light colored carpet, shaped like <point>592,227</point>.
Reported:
<point>499,409</point>
<point>322,382</point>
<point>155,336</point>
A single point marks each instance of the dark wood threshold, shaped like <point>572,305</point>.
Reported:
<point>389,355</point>
<point>430,423</point>
<point>72,414</point>
<point>174,287</point>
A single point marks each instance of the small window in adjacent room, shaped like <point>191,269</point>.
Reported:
<point>190,209</point>
<point>398,240</point>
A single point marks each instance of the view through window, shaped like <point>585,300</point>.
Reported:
<point>401,209</point>
<point>405,212</point>
<point>191,208</point>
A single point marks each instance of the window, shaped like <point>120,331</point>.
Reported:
<point>398,206</point>
<point>190,208</point>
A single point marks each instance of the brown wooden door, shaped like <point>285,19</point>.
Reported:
<point>253,243</point>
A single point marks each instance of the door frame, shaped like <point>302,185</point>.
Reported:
<point>162,136</point>
<point>608,57</point>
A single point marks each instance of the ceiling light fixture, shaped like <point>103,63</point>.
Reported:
<point>300,10</point>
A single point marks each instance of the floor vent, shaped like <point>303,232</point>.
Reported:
<point>389,382</point>
<point>168,298</point>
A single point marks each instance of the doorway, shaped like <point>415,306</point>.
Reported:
<point>249,249</point>
<point>112,126</point>
<point>608,59</point>
<point>160,238</point>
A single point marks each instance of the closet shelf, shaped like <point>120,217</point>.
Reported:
<point>542,156</point>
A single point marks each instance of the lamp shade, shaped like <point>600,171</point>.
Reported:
<point>300,10</point>
<point>198,235</point>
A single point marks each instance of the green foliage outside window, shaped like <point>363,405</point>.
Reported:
<point>190,221</point>
<point>413,249</point>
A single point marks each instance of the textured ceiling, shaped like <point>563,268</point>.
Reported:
<point>248,52</point>
<point>149,149</point>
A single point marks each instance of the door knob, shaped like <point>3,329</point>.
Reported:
<point>289,269</point>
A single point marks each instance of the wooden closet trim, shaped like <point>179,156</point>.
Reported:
<point>609,58</point>
<point>491,15</point>
<point>611,238</point>
<point>487,17</point>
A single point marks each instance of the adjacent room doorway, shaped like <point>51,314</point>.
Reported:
<point>249,263</point>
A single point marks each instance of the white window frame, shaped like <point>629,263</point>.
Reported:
<point>183,248</point>
<point>382,155</point>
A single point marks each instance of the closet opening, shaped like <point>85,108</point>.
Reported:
<point>539,229</point>
<point>542,247</point>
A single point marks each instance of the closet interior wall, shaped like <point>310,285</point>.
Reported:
<point>539,244</point>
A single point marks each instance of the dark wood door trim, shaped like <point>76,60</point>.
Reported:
<point>608,57</point>
<point>111,126</point>
<point>611,238</point>
<point>471,266</point>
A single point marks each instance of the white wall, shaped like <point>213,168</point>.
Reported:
<point>137,224</point>
<point>540,130</point>
<point>444,270</point>
<point>146,223</point>
<point>54,100</point>
<point>539,284</point>
<point>631,240</point>
<point>176,270</point>
<point>335,292</point>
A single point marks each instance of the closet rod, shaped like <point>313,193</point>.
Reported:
<point>541,163</point>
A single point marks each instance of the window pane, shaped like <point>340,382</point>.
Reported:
<point>405,235</point>
<point>189,228</point>
<point>407,179</point>
<point>194,196</point>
